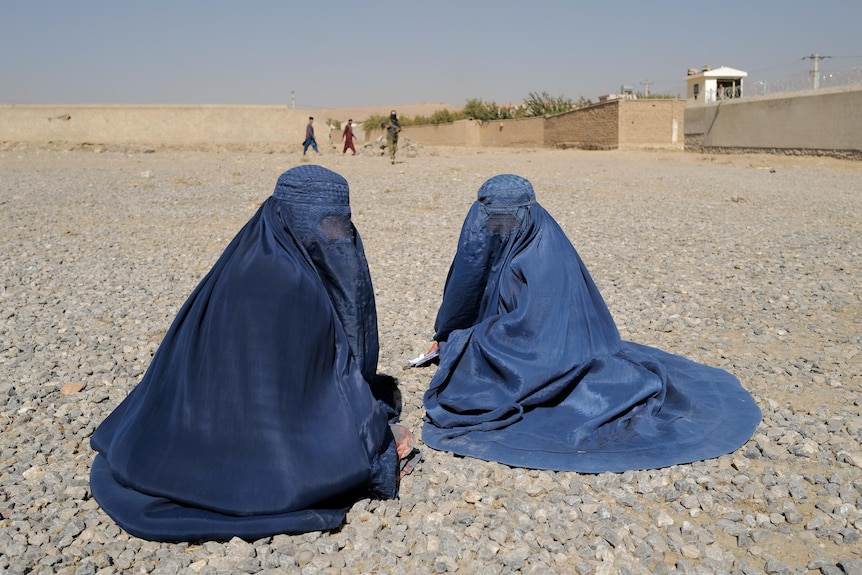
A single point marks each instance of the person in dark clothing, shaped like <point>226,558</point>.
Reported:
<point>393,128</point>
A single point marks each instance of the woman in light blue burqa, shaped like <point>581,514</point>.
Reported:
<point>533,372</point>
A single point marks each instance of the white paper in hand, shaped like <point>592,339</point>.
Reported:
<point>424,358</point>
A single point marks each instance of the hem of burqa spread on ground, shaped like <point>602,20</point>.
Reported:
<point>533,372</point>
<point>253,418</point>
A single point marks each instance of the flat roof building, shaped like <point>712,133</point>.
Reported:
<point>708,85</point>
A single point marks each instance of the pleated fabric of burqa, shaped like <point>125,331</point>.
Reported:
<point>255,417</point>
<point>533,372</point>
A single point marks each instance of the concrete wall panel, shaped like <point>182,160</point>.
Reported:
<point>821,120</point>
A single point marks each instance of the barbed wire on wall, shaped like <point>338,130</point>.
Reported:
<point>758,86</point>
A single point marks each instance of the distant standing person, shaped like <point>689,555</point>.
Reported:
<point>309,137</point>
<point>392,130</point>
<point>347,136</point>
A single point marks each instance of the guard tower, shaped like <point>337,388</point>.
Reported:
<point>710,86</point>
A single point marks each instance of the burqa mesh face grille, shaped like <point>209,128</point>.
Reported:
<point>336,227</point>
<point>501,224</point>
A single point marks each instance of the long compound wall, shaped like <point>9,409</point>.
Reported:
<point>155,125</point>
<point>604,126</point>
<point>825,121</point>
<point>607,126</point>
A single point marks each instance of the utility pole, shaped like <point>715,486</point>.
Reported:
<point>646,84</point>
<point>815,73</point>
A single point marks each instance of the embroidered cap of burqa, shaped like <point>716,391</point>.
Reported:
<point>533,372</point>
<point>254,417</point>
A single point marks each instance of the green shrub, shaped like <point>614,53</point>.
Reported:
<point>536,104</point>
<point>445,116</point>
<point>374,122</point>
<point>546,105</point>
<point>476,109</point>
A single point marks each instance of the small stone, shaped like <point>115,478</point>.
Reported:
<point>304,557</point>
<point>816,523</point>
<point>793,516</point>
<point>663,519</point>
<point>472,496</point>
<point>774,566</point>
<point>853,458</point>
<point>690,551</point>
<point>70,388</point>
<point>851,566</point>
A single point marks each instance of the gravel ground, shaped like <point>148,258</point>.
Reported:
<point>750,263</point>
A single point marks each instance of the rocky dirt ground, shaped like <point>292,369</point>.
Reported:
<point>750,263</point>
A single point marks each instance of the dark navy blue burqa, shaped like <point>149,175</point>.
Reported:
<point>533,372</point>
<point>254,417</point>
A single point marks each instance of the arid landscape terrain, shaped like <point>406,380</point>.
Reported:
<point>750,263</point>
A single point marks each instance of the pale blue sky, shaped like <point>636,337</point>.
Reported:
<point>387,52</point>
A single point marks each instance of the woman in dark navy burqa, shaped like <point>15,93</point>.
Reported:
<point>255,416</point>
<point>533,372</point>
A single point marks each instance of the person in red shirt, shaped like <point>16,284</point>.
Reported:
<point>347,136</point>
